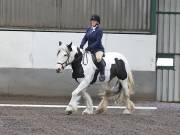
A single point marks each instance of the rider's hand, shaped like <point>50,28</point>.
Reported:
<point>87,49</point>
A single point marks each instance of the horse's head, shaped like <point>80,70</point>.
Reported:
<point>65,56</point>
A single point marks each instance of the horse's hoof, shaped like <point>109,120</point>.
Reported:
<point>126,111</point>
<point>85,112</point>
<point>99,111</point>
<point>68,112</point>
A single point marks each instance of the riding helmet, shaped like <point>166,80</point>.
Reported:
<point>95,18</point>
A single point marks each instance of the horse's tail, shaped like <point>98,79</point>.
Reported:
<point>130,83</point>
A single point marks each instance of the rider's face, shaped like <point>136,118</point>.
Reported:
<point>93,23</point>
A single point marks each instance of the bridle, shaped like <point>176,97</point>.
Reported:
<point>66,61</point>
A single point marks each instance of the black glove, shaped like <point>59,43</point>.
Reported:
<point>87,49</point>
<point>81,47</point>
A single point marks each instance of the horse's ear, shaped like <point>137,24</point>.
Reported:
<point>69,47</point>
<point>60,43</point>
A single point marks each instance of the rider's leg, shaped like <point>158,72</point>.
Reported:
<point>89,103</point>
<point>101,65</point>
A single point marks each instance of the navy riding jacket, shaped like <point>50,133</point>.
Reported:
<point>94,39</point>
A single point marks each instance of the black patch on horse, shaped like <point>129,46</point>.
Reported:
<point>120,87</point>
<point>118,69</point>
<point>77,68</point>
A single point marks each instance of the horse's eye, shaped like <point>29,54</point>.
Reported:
<point>65,54</point>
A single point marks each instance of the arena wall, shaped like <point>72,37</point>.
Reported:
<point>27,62</point>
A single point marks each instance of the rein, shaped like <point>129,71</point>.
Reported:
<point>69,63</point>
<point>80,57</point>
<point>85,56</point>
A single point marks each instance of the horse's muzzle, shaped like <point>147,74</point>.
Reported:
<point>58,70</point>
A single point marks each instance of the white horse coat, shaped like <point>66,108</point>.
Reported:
<point>68,54</point>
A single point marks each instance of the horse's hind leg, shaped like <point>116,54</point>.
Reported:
<point>102,107</point>
<point>89,103</point>
<point>129,104</point>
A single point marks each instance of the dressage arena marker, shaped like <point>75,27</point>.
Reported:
<point>64,106</point>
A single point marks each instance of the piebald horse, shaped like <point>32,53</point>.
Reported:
<point>85,72</point>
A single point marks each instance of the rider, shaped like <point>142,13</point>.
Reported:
<point>94,35</point>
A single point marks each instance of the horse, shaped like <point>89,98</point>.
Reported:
<point>85,71</point>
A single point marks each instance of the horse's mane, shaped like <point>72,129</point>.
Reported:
<point>77,68</point>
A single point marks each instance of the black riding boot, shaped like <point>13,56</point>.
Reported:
<point>101,67</point>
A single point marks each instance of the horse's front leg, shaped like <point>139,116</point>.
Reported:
<point>72,107</point>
